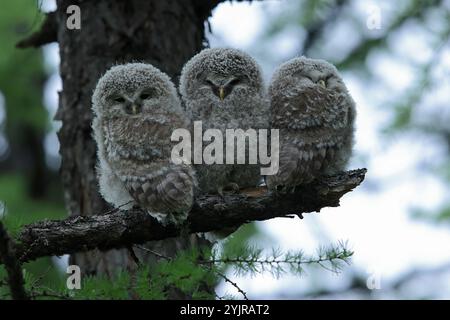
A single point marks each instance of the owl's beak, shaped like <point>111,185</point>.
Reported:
<point>222,93</point>
<point>322,83</point>
<point>134,109</point>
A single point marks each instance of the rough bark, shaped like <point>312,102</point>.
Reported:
<point>125,228</point>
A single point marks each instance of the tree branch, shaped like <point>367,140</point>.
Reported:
<point>47,33</point>
<point>12,266</point>
<point>210,212</point>
<point>315,31</point>
<point>359,53</point>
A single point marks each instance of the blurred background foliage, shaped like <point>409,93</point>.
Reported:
<point>29,189</point>
<point>334,30</point>
<point>397,57</point>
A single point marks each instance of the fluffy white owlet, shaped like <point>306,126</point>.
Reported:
<point>136,108</point>
<point>224,89</point>
<point>315,113</point>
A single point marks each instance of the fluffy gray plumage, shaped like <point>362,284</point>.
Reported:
<point>315,113</point>
<point>224,89</point>
<point>136,108</point>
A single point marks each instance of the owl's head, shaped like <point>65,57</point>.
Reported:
<point>300,73</point>
<point>134,90</point>
<point>220,75</point>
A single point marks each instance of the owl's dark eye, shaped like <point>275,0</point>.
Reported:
<point>209,83</point>
<point>234,82</point>
<point>148,94</point>
<point>119,99</point>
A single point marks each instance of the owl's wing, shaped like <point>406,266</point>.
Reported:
<point>288,163</point>
<point>166,192</point>
<point>300,163</point>
<point>176,190</point>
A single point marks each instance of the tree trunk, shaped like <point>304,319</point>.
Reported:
<point>163,33</point>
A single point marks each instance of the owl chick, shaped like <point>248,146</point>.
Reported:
<point>224,89</point>
<point>136,108</point>
<point>315,113</point>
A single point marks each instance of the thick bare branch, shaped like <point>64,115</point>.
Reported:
<point>47,33</point>
<point>123,228</point>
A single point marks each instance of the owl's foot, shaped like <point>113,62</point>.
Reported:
<point>231,188</point>
<point>284,189</point>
